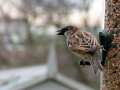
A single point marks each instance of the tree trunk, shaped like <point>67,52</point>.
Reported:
<point>111,73</point>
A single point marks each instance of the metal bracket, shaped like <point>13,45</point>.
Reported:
<point>106,42</point>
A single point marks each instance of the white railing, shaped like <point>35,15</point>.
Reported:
<point>17,79</point>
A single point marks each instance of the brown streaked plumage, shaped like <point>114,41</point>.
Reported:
<point>82,44</point>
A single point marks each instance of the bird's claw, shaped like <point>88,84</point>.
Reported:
<point>82,62</point>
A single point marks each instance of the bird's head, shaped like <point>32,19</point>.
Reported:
<point>67,30</point>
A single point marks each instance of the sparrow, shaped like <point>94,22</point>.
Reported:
<point>82,44</point>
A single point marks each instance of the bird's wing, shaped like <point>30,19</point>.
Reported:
<point>83,41</point>
<point>96,57</point>
<point>76,43</point>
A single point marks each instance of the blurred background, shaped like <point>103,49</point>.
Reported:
<point>28,38</point>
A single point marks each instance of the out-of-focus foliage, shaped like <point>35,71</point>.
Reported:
<point>27,26</point>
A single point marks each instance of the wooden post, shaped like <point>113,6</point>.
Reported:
<point>111,73</point>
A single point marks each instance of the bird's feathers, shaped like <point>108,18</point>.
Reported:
<point>82,41</point>
<point>96,62</point>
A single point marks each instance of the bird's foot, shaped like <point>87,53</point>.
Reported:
<point>84,63</point>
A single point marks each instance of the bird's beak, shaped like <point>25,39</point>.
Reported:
<point>60,32</point>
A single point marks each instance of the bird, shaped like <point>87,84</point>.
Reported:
<point>83,44</point>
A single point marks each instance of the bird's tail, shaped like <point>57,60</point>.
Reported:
<point>96,64</point>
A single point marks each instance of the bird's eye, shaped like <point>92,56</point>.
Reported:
<point>68,28</point>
